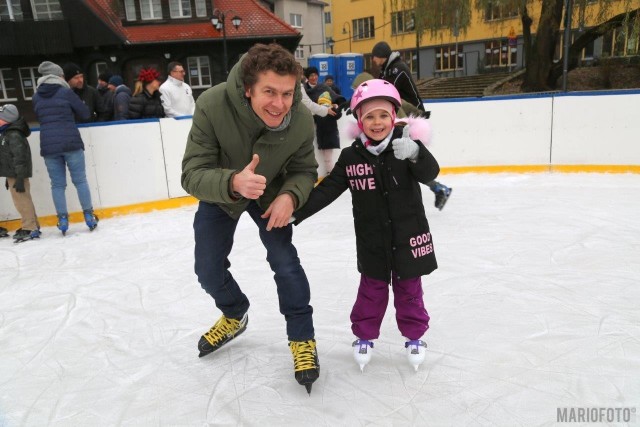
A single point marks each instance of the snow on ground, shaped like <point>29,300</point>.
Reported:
<point>534,308</point>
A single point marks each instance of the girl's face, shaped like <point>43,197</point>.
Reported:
<point>377,124</point>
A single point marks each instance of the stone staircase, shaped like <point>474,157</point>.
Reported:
<point>459,87</point>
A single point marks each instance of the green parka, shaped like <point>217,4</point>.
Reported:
<point>225,134</point>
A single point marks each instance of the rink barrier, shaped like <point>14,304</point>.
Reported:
<point>135,166</point>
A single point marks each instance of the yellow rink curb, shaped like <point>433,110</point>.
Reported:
<point>156,205</point>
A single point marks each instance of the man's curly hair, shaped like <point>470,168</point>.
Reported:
<point>268,57</point>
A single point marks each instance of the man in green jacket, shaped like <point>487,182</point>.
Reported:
<point>250,149</point>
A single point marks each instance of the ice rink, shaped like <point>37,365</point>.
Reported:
<point>535,308</point>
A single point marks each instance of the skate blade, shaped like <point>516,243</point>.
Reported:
<point>308,387</point>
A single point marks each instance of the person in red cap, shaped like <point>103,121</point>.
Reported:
<point>145,102</point>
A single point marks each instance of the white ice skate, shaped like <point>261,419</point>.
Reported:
<point>362,350</point>
<point>416,351</point>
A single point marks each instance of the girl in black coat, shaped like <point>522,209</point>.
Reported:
<point>383,169</point>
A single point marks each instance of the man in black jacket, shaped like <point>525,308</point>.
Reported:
<point>89,95</point>
<point>396,72</point>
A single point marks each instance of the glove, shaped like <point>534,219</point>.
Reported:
<point>19,185</point>
<point>405,147</point>
<point>345,107</point>
<point>425,114</point>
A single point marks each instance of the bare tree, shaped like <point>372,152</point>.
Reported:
<point>436,16</point>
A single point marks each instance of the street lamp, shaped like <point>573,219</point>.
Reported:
<point>218,22</point>
<point>344,31</point>
<point>331,43</point>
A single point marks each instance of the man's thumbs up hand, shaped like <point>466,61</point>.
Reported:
<point>247,183</point>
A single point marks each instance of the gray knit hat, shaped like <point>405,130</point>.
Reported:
<point>48,67</point>
<point>381,50</point>
<point>9,113</point>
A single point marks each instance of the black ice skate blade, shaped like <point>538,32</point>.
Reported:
<point>26,239</point>
<point>444,202</point>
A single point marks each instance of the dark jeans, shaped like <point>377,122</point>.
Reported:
<point>214,231</point>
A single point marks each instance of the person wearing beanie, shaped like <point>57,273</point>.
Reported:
<point>381,50</point>
<point>121,97</point>
<point>145,102</point>
<point>176,95</point>
<point>396,72</point>
<point>327,134</point>
<point>89,95</point>
<point>16,166</point>
<point>106,96</point>
<point>57,107</point>
<point>330,81</point>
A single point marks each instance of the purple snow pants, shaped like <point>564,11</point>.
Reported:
<point>371,303</point>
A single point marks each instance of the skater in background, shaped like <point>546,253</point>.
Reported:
<point>250,149</point>
<point>383,169</point>
<point>145,103</point>
<point>57,107</point>
<point>16,166</point>
<point>396,72</point>
<point>330,81</point>
<point>327,135</point>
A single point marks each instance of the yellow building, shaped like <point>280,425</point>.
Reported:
<point>492,42</point>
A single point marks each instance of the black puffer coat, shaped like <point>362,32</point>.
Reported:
<point>15,154</point>
<point>146,106</point>
<point>392,232</point>
<point>327,135</point>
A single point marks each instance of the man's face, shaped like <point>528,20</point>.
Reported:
<point>378,61</point>
<point>328,82</point>
<point>271,97</point>
<point>77,82</point>
<point>178,73</point>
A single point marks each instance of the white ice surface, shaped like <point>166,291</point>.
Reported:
<point>535,306</point>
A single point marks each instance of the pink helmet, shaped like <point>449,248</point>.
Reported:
<point>374,89</point>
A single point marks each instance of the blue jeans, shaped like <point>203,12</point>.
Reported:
<point>214,231</point>
<point>57,167</point>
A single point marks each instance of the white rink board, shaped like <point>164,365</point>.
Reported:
<point>603,130</point>
<point>141,161</point>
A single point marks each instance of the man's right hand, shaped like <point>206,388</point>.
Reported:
<point>247,183</point>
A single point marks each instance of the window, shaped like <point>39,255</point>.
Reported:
<point>495,11</point>
<point>180,8</point>
<point>447,58</point>
<point>46,10</point>
<point>587,52</point>
<point>8,90</point>
<point>28,80</point>
<point>327,17</point>
<point>363,28</point>
<point>10,10</point>
<point>299,53</point>
<point>402,22</point>
<point>101,67</point>
<point>199,71</point>
<point>498,53</point>
<point>130,10</point>
<point>151,9</point>
<point>620,42</point>
<point>201,8</point>
<point>295,19</point>
<point>410,58</point>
